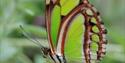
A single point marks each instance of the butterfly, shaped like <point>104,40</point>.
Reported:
<point>75,32</point>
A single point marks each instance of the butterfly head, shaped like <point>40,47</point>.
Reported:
<point>45,51</point>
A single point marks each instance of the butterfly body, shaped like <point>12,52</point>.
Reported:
<point>74,33</point>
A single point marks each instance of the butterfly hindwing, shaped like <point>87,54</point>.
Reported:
<point>74,39</point>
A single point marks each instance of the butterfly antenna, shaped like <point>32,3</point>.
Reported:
<point>28,36</point>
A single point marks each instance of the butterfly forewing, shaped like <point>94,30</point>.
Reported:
<point>67,6</point>
<point>55,23</point>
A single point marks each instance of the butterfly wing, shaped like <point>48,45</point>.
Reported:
<point>53,20</point>
<point>67,6</point>
<point>74,39</point>
<point>93,46</point>
<point>55,23</point>
<point>78,33</point>
<point>53,16</point>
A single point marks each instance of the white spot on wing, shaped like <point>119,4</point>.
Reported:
<point>99,18</point>
<point>104,35</point>
<point>94,9</point>
<point>89,41</point>
<point>103,50</point>
<point>47,2</point>
<point>89,12</point>
<point>103,46</point>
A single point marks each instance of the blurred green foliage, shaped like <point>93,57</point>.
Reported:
<point>15,48</point>
<point>13,45</point>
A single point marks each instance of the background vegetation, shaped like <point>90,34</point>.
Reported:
<point>15,48</point>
